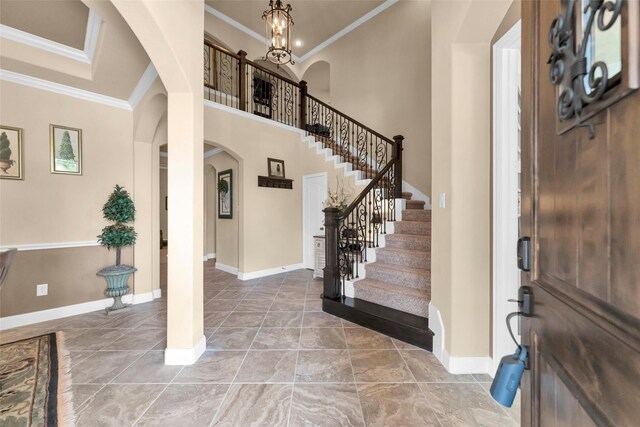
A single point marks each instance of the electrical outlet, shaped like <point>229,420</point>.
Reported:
<point>442,201</point>
<point>42,290</point>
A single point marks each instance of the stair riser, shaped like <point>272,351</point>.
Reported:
<point>413,227</point>
<point>415,204</point>
<point>416,215</point>
<point>403,278</point>
<point>422,260</point>
<point>408,305</point>
<point>415,244</point>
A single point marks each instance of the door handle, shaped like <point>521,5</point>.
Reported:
<point>321,228</point>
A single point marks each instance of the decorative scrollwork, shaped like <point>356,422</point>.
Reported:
<point>362,149</point>
<point>288,101</point>
<point>226,73</point>
<point>314,112</point>
<point>568,65</point>
<point>344,137</point>
<point>207,66</point>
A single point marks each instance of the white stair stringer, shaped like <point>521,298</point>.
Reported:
<point>329,156</point>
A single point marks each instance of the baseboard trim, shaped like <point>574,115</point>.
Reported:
<point>467,365</point>
<point>269,272</point>
<point>72,310</point>
<point>185,356</point>
<point>397,324</point>
<point>157,293</point>
<point>454,364</point>
<point>207,257</point>
<point>226,268</point>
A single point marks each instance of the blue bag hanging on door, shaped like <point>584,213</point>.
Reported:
<point>507,380</point>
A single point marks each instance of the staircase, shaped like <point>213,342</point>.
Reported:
<point>400,276</point>
<point>377,249</point>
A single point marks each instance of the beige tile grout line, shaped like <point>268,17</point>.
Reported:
<point>295,370</point>
<point>353,373</point>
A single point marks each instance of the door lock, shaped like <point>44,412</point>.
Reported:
<point>524,254</point>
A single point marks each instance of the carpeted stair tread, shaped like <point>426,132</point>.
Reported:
<point>416,215</point>
<point>407,195</point>
<point>415,204</point>
<point>409,300</point>
<point>404,257</point>
<point>408,241</point>
<point>400,275</point>
<point>413,227</point>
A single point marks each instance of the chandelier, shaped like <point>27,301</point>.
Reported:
<point>278,32</point>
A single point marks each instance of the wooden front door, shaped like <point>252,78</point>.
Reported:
<point>581,208</point>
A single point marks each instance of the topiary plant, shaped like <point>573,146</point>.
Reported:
<point>223,186</point>
<point>121,210</point>
<point>5,151</point>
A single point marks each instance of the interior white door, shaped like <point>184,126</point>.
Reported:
<point>314,193</point>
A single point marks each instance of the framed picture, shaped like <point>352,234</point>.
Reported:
<point>225,194</point>
<point>11,162</point>
<point>66,150</point>
<point>276,168</point>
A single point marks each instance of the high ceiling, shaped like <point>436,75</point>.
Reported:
<point>116,67</point>
<point>314,21</point>
<point>62,21</point>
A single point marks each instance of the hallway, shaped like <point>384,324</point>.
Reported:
<point>273,358</point>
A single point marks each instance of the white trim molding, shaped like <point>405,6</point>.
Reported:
<point>72,310</point>
<point>60,245</point>
<point>212,152</point>
<point>146,80</point>
<point>506,276</point>
<point>157,293</point>
<point>300,59</point>
<point>91,36</point>
<point>94,23</point>
<point>269,271</point>
<point>226,268</point>
<point>346,30</point>
<point>454,364</point>
<point>185,356</point>
<point>22,79</point>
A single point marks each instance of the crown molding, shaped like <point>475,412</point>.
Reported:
<point>92,32</point>
<point>41,43</point>
<point>94,22</point>
<point>146,80</point>
<point>299,59</point>
<point>346,30</point>
<point>212,152</point>
<point>21,79</point>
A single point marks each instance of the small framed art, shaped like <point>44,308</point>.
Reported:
<point>11,157</point>
<point>66,150</point>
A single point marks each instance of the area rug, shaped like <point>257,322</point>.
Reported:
<point>35,382</point>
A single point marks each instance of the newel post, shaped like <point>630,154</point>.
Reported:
<point>303,104</point>
<point>397,153</point>
<point>242,84</point>
<point>332,268</point>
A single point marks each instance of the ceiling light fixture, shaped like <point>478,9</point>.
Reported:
<point>278,32</point>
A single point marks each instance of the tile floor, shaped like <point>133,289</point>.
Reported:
<point>273,359</point>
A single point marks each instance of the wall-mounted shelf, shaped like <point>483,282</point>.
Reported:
<point>265,181</point>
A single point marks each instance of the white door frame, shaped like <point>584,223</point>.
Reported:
<point>506,76</point>
<point>307,258</point>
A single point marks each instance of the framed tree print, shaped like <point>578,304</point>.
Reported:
<point>11,162</point>
<point>225,194</point>
<point>66,150</point>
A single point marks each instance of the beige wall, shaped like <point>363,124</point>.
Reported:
<point>270,220</point>
<point>52,208</point>
<point>381,76</point>
<point>227,230</point>
<point>462,33</point>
